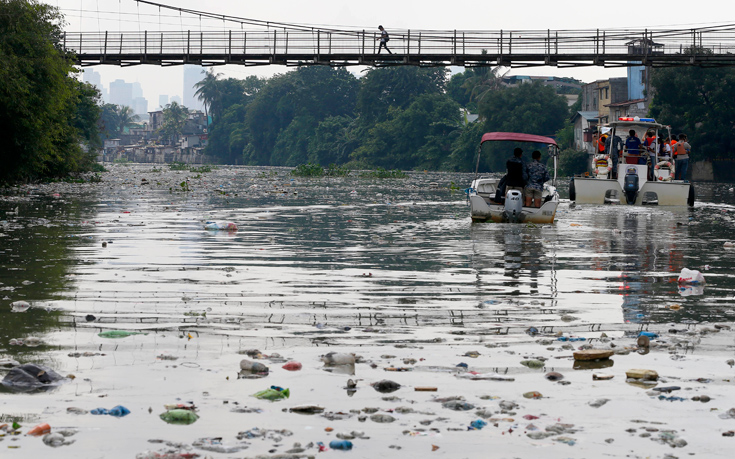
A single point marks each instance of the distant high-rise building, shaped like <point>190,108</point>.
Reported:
<point>121,93</point>
<point>162,100</point>
<point>193,74</point>
<point>140,106</point>
<point>92,77</point>
<point>137,90</point>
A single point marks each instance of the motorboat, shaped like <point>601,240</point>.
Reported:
<point>490,202</point>
<point>643,177</point>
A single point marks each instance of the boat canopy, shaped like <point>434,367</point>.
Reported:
<point>516,137</point>
<point>631,124</point>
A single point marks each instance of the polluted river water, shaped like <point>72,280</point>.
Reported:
<point>463,335</point>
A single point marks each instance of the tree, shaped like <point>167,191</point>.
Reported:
<point>418,136</point>
<point>528,108</point>
<point>334,139</point>
<point>482,81</point>
<point>115,119</point>
<point>698,102</point>
<point>40,124</point>
<point>208,91</point>
<point>174,118</point>
<point>288,109</point>
<point>396,87</point>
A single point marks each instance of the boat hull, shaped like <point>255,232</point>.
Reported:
<point>482,211</point>
<point>607,191</point>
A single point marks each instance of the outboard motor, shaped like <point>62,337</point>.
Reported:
<point>513,206</point>
<point>630,185</point>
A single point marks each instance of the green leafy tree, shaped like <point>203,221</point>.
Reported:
<point>334,140</point>
<point>174,119</point>
<point>304,98</point>
<point>396,87</point>
<point>417,137</point>
<point>41,129</point>
<point>528,108</point>
<point>698,102</point>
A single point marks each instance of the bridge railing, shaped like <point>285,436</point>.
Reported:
<point>533,43</point>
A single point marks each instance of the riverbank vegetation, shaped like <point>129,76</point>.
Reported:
<point>48,119</point>
<point>394,118</point>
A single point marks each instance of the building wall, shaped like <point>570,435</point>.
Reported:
<point>636,82</point>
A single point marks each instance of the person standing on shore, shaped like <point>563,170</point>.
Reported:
<point>384,37</point>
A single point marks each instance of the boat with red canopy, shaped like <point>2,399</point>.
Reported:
<point>490,201</point>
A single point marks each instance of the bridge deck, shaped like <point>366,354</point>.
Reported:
<point>712,47</point>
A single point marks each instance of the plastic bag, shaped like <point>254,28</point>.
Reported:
<point>691,276</point>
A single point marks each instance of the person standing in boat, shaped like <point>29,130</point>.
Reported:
<point>613,147</point>
<point>517,175</point>
<point>384,37</point>
<point>633,145</point>
<point>537,174</point>
<point>682,150</point>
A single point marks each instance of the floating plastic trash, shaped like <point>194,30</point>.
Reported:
<point>691,276</point>
<point>119,411</point>
<point>41,429</point>
<point>220,226</point>
<point>477,424</point>
<point>118,333</point>
<point>179,416</point>
<point>19,306</point>
<point>273,393</point>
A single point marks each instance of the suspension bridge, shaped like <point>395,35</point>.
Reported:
<point>703,47</point>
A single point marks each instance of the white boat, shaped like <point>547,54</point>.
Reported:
<point>486,204</point>
<point>631,184</point>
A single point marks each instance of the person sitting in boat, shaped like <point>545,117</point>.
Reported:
<point>633,145</point>
<point>517,175</point>
<point>537,174</point>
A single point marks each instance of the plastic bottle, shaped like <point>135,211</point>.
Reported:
<point>344,445</point>
<point>255,367</point>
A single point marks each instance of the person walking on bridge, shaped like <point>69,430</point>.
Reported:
<point>383,40</point>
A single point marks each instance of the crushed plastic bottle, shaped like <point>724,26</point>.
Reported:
<point>255,367</point>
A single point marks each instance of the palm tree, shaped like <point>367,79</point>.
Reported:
<point>125,117</point>
<point>485,80</point>
<point>209,93</point>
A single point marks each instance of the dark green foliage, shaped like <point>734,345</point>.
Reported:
<point>698,102</point>
<point>527,108</point>
<point>315,170</point>
<point>572,162</point>
<point>419,136</point>
<point>45,114</point>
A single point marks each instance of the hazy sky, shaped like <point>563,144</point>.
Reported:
<point>128,15</point>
